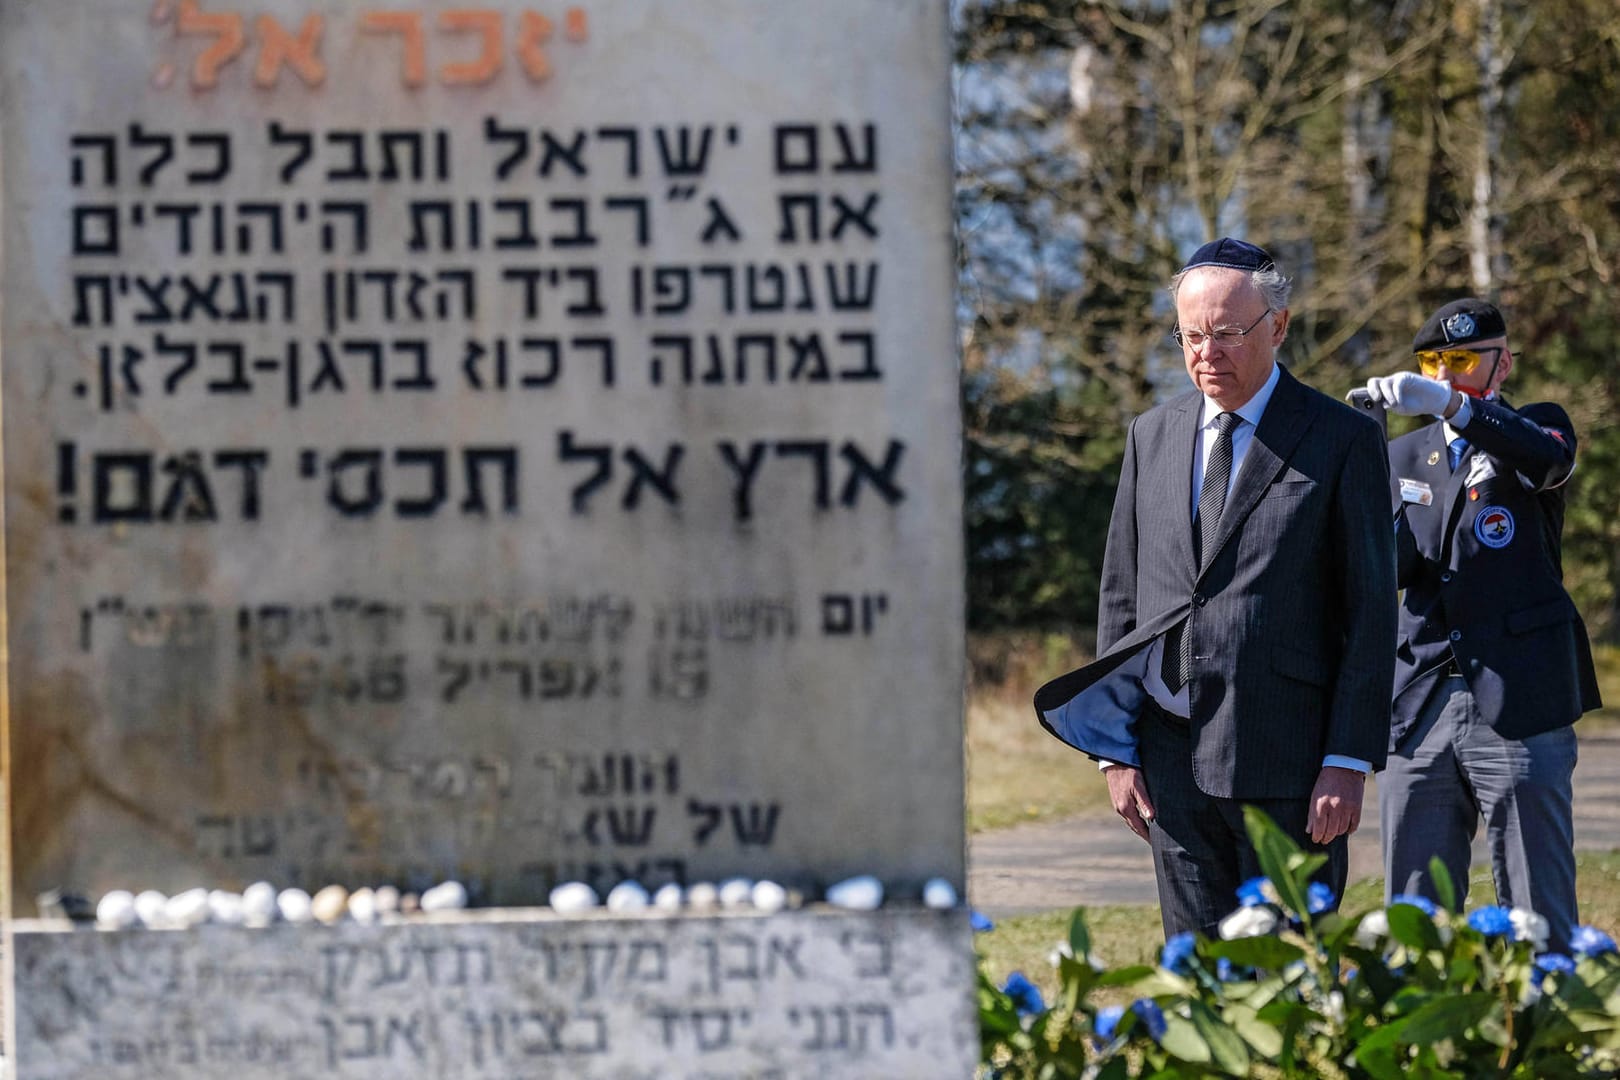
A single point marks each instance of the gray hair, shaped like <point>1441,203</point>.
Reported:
<point>1274,288</point>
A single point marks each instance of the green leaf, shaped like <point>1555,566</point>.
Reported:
<point>1182,1040</point>
<point>1275,852</point>
<point>1161,983</point>
<point>1333,927</point>
<point>1117,1069</point>
<point>1447,1016</point>
<point>1265,1038</point>
<point>1226,1049</point>
<point>1126,976</point>
<point>1076,979</point>
<point>1409,926</point>
<point>1380,1062</point>
<point>1260,994</point>
<point>1373,972</point>
<point>1444,888</point>
<point>1079,936</point>
<point>1260,952</point>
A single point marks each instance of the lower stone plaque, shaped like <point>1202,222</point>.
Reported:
<point>513,994</point>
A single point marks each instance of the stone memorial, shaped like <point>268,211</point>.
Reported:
<point>511,442</point>
<point>515,994</point>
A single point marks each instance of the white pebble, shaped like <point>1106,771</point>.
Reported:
<point>259,904</point>
<point>149,908</point>
<point>702,895</point>
<point>116,910</point>
<point>363,905</point>
<point>226,907</point>
<point>939,894</point>
<point>736,892</point>
<point>187,909</point>
<point>294,904</point>
<point>862,893</point>
<point>330,904</point>
<point>627,896</point>
<point>768,896</point>
<point>668,897</point>
<point>387,900</point>
<point>446,896</point>
<point>573,896</point>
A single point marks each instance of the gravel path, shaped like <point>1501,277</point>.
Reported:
<point>1095,859</point>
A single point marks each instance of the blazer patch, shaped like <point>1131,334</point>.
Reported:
<point>1416,491</point>
<point>1494,527</point>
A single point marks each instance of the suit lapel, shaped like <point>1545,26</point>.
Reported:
<point>1282,425</point>
<point>1178,485</point>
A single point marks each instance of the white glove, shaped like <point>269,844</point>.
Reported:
<point>1410,394</point>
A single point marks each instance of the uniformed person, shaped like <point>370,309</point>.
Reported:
<point>1492,662</point>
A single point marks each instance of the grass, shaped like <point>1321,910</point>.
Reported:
<point>1017,772</point>
<point>1131,934</point>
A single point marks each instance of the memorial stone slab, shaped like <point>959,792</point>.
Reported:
<point>511,441</point>
<point>508,995</point>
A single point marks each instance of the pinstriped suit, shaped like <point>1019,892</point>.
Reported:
<point>1292,616</point>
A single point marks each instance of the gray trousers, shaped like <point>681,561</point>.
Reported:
<point>1451,770</point>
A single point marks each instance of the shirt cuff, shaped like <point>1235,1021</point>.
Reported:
<point>1464,413</point>
<point>1339,761</point>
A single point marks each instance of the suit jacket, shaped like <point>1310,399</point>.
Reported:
<point>1479,554</point>
<point>1292,614</point>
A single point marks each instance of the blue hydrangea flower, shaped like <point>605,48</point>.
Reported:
<point>1224,970</point>
<point>1318,898</point>
<point>1026,996</point>
<point>1422,903</point>
<point>1590,941</point>
<point>1492,921</point>
<point>1252,893</point>
<point>1147,1010</point>
<point>1549,962</point>
<point>1108,1018</point>
<point>1177,954</point>
<point>979,921</point>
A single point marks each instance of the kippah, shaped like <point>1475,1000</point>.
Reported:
<point>1232,254</point>
<point>1460,322</point>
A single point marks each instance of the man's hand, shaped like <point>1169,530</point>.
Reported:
<point>1128,791</point>
<point>1335,803</point>
<point>1411,394</point>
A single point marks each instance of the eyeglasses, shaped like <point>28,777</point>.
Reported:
<point>1225,336</point>
<point>1456,361</point>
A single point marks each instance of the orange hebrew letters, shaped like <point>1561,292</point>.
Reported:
<point>576,28</point>
<point>534,30</point>
<point>278,47</point>
<point>473,20</point>
<point>227,28</point>
<point>408,24</point>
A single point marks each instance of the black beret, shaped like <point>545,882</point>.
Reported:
<point>1459,323</point>
<point>1232,254</point>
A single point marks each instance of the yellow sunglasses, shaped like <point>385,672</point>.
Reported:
<point>1457,361</point>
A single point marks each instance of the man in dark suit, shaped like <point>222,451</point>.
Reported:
<point>1492,664</point>
<point>1248,604</point>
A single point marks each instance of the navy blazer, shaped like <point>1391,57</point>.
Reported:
<point>1479,555</point>
<point>1292,613</point>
